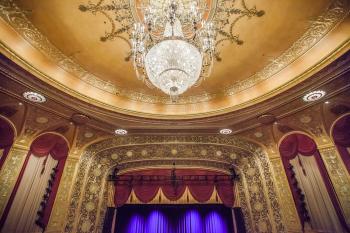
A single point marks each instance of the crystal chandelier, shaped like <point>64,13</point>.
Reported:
<point>173,47</point>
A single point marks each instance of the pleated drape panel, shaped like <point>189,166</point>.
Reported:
<point>322,213</point>
<point>297,146</point>
<point>26,203</point>
<point>47,151</point>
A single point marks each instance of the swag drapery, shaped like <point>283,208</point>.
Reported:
<point>293,148</point>
<point>44,161</point>
<point>201,191</point>
<point>341,137</point>
<point>6,139</point>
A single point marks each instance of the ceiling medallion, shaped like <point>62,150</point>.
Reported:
<point>121,132</point>
<point>34,97</point>
<point>225,131</point>
<point>314,96</point>
<point>174,47</point>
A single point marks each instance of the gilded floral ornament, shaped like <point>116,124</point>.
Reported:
<point>125,14</point>
<point>88,186</point>
<point>336,12</point>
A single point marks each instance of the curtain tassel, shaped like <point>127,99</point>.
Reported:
<point>44,164</point>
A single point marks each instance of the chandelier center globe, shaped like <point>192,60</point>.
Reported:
<point>173,65</point>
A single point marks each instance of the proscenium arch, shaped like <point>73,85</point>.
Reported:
<point>93,172</point>
<point>169,164</point>
<point>126,141</point>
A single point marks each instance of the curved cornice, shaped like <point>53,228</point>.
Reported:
<point>231,141</point>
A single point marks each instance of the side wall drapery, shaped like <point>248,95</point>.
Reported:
<point>323,217</point>
<point>239,224</point>
<point>341,137</point>
<point>26,204</point>
<point>108,220</point>
<point>300,144</point>
<point>48,147</point>
<point>145,190</point>
<point>6,140</point>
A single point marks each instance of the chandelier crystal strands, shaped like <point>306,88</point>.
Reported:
<point>173,48</point>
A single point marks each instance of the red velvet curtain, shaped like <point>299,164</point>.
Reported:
<point>146,189</point>
<point>52,144</point>
<point>57,147</point>
<point>6,139</point>
<point>145,192</point>
<point>295,144</point>
<point>173,192</point>
<point>290,147</point>
<point>45,144</point>
<point>341,137</point>
<point>122,193</point>
<point>226,194</point>
<point>201,192</point>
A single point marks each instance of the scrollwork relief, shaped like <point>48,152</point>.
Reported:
<point>289,212</point>
<point>10,172</point>
<point>58,213</point>
<point>339,178</point>
<point>138,152</point>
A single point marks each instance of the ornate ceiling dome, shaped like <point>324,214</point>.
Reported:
<point>262,50</point>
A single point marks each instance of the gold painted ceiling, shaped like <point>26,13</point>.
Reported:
<point>264,48</point>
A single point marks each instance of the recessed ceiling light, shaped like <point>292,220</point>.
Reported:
<point>327,102</point>
<point>121,131</point>
<point>34,97</point>
<point>225,131</point>
<point>314,95</point>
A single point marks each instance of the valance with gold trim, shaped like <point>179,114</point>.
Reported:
<point>187,186</point>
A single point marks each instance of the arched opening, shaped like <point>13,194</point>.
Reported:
<point>134,153</point>
<point>312,190</point>
<point>341,137</point>
<point>31,201</point>
<point>173,194</point>
<point>7,135</point>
